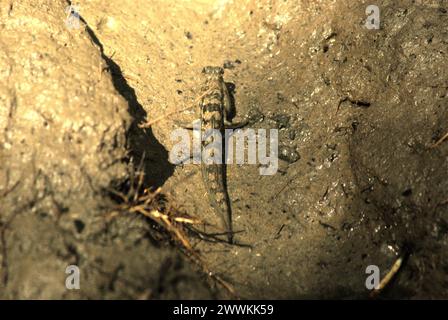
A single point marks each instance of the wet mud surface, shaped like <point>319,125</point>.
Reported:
<point>358,111</point>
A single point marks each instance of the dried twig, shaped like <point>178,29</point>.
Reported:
<point>146,203</point>
<point>389,276</point>
<point>439,142</point>
<point>169,223</point>
<point>150,123</point>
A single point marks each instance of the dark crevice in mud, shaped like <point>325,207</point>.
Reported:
<point>141,142</point>
<point>355,103</point>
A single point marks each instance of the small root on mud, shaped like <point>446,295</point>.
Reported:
<point>153,205</point>
<point>151,123</point>
<point>439,142</point>
<point>390,276</point>
<point>185,108</point>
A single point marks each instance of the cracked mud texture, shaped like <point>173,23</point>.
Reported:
<point>357,112</point>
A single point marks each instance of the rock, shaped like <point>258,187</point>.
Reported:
<point>288,154</point>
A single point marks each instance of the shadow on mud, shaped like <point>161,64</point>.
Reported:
<point>141,142</point>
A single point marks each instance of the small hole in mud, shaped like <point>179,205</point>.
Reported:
<point>79,225</point>
<point>407,193</point>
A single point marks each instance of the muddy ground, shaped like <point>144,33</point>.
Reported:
<point>358,113</point>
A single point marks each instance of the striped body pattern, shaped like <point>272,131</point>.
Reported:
<point>214,105</point>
